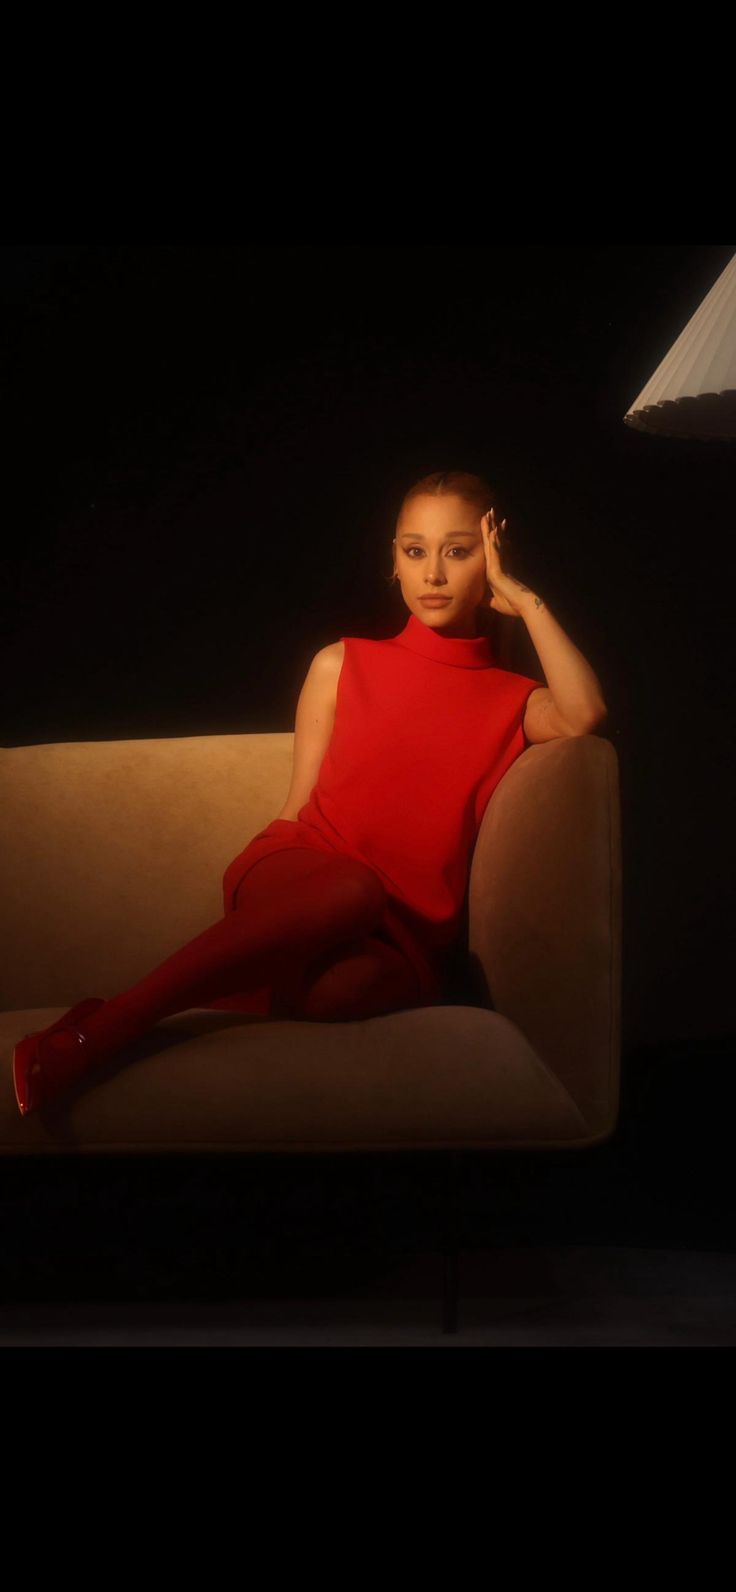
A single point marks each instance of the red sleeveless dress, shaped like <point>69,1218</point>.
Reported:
<point>425,727</point>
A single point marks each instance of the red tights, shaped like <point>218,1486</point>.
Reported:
<point>304,923</point>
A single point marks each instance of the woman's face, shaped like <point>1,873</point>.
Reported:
<point>438,551</point>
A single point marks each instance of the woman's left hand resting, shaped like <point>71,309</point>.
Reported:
<point>506,593</point>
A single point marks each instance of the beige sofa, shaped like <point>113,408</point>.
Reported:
<point>113,855</point>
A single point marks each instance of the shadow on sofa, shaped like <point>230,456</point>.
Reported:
<point>113,856</point>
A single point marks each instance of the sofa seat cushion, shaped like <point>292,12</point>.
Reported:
<point>423,1078</point>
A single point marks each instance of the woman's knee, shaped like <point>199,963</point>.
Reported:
<point>369,891</point>
<point>366,979</point>
<point>319,889</point>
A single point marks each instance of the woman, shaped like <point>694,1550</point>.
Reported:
<point>349,903</point>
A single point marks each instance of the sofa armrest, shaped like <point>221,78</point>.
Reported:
<point>544,913</point>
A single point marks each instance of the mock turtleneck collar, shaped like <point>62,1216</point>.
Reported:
<point>465,652</point>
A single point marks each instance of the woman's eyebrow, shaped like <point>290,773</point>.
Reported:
<point>416,536</point>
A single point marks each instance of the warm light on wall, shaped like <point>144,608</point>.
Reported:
<point>693,391</point>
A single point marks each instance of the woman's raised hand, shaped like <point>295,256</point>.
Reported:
<point>506,592</point>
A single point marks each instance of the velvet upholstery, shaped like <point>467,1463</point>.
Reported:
<point>113,855</point>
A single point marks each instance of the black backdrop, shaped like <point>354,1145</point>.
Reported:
<point>203,446</point>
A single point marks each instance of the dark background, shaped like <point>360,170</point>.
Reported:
<point>204,447</point>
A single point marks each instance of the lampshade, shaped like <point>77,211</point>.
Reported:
<point>693,392</point>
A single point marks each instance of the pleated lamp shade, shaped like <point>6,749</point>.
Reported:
<point>693,392</point>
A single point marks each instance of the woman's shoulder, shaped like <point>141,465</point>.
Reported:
<point>331,657</point>
<point>326,666</point>
<point>363,643</point>
<point>334,652</point>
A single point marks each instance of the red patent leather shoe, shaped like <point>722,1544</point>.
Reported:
<point>37,1076</point>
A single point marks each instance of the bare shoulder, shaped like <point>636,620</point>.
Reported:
<point>328,661</point>
<point>319,691</point>
<point>314,720</point>
<point>332,654</point>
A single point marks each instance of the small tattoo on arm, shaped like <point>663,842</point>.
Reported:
<point>539,600</point>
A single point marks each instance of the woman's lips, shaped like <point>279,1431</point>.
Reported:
<point>434,600</point>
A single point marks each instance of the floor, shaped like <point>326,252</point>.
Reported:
<point>630,1244</point>
<point>512,1298</point>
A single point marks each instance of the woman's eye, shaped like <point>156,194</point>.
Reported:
<point>462,550</point>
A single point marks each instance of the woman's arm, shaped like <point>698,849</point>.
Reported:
<point>575,688</point>
<point>315,717</point>
<point>577,704</point>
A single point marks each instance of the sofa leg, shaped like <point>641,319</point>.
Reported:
<point>450,1245</point>
<point>449,1290</point>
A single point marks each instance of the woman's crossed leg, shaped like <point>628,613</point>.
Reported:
<point>303,923</point>
<point>362,979</point>
<point>295,910</point>
<point>359,976</point>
